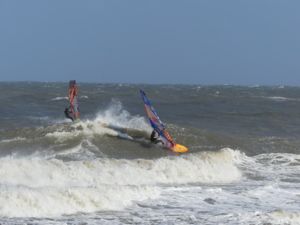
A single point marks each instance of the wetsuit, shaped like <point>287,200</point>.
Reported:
<point>73,92</point>
<point>154,138</point>
<point>67,114</point>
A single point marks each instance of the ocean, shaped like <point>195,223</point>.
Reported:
<point>243,164</point>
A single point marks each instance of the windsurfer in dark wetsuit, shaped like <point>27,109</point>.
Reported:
<point>154,138</point>
<point>73,92</point>
<point>72,112</point>
<point>67,114</point>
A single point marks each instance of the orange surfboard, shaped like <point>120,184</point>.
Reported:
<point>179,148</point>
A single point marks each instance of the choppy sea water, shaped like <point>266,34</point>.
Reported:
<point>243,166</point>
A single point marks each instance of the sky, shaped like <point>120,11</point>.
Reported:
<point>241,42</point>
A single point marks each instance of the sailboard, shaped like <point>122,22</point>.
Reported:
<point>73,101</point>
<point>159,126</point>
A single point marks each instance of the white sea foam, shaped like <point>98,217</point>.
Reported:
<point>62,136</point>
<point>86,129</point>
<point>13,140</point>
<point>285,217</point>
<point>116,115</point>
<point>52,202</point>
<point>276,166</point>
<point>59,98</point>
<point>39,187</point>
<point>102,124</point>
<point>206,167</point>
<point>281,98</point>
<point>278,98</point>
<point>66,98</point>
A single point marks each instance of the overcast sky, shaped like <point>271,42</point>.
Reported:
<point>243,42</point>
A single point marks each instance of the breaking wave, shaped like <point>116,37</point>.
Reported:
<point>35,187</point>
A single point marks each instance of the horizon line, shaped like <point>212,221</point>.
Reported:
<point>138,83</point>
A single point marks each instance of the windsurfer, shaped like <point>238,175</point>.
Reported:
<point>73,92</point>
<point>67,114</point>
<point>72,112</point>
<point>154,138</point>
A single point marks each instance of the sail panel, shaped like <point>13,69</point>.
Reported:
<point>154,119</point>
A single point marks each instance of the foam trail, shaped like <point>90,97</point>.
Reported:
<point>114,115</point>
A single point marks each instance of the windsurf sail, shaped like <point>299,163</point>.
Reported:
<point>73,100</point>
<point>155,121</point>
